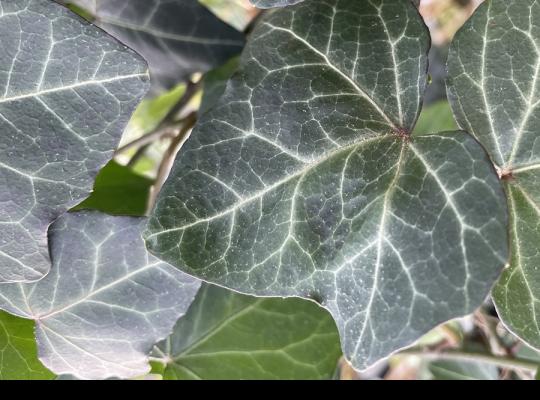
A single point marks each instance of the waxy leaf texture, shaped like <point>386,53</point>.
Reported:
<point>67,90</point>
<point>106,301</point>
<point>303,180</point>
<point>494,68</point>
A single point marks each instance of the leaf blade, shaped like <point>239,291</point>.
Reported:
<point>56,133</point>
<point>296,184</point>
<point>106,301</point>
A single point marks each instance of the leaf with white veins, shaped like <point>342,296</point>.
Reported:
<point>304,181</point>
<point>67,90</point>
<point>176,37</point>
<point>494,69</point>
<point>106,301</point>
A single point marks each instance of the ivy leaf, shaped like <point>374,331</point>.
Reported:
<point>436,117</point>
<point>176,37</point>
<point>494,69</point>
<point>105,302</point>
<point>274,3</point>
<point>226,335</point>
<point>118,191</point>
<point>18,352</point>
<point>67,91</point>
<point>462,370</point>
<point>303,181</point>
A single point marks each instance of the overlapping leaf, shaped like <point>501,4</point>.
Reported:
<point>106,301</point>
<point>226,335</point>
<point>18,352</point>
<point>274,3</point>
<point>67,91</point>
<point>176,37</point>
<point>303,181</point>
<point>494,66</point>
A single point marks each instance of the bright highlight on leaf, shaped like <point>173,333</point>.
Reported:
<point>106,301</point>
<point>67,90</point>
<point>494,66</point>
<point>304,181</point>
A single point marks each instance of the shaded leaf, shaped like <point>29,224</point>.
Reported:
<point>176,37</point>
<point>462,370</point>
<point>303,181</point>
<point>215,82</point>
<point>226,335</point>
<point>105,302</point>
<point>494,67</point>
<point>18,351</point>
<point>436,117</point>
<point>118,191</point>
<point>67,91</point>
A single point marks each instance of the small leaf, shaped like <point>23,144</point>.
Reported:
<point>494,69</point>
<point>118,191</point>
<point>67,91</point>
<point>18,352</point>
<point>274,3</point>
<point>304,181</point>
<point>226,335</point>
<point>105,302</point>
<point>176,37</point>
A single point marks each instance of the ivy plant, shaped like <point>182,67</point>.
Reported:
<point>304,180</point>
<point>307,217</point>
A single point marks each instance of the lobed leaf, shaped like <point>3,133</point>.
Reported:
<point>106,301</point>
<point>494,68</point>
<point>67,91</point>
<point>304,181</point>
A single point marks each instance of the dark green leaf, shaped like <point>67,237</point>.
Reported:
<point>118,191</point>
<point>494,67</point>
<point>18,352</point>
<point>67,91</point>
<point>176,37</point>
<point>303,181</point>
<point>226,335</point>
<point>105,303</point>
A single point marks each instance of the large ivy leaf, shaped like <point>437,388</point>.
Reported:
<point>494,67</point>
<point>274,3</point>
<point>18,352</point>
<point>303,181</point>
<point>105,302</point>
<point>67,91</point>
<point>226,335</point>
<point>462,370</point>
<point>176,37</point>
